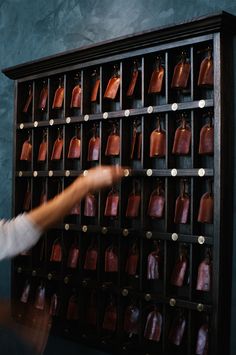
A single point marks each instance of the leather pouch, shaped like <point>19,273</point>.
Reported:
<point>182,139</point>
<point>90,205</point>
<point>205,77</point>
<point>75,210</point>
<point>43,98</point>
<point>154,264</point>
<point>204,275</point>
<point>181,74</point>
<point>27,198</point>
<point>112,86</point>
<point>133,206</point>
<point>73,256</point>
<point>111,259</point>
<point>42,154</point>
<point>131,267</point>
<point>76,97</point>
<point>26,151</point>
<point>113,143</point>
<point>74,148</point>
<point>57,148</point>
<point>136,143</point>
<point>179,271</point>
<point>91,258</point>
<point>94,147</point>
<point>182,205</point>
<point>206,143</point>
<point>153,326</point>
<point>91,314</point>
<point>110,318</point>
<point>158,142</point>
<point>56,253</point>
<point>28,100</point>
<point>177,329</point>
<point>58,97</point>
<point>40,298</point>
<point>202,340</point>
<point>53,311</point>
<point>156,203</point>
<point>25,294</point>
<point>206,208</point>
<point>112,203</point>
<point>157,76</point>
<point>95,89</point>
<point>133,81</point>
<point>131,320</point>
<point>73,308</point>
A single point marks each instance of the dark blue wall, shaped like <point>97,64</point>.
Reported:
<point>33,29</point>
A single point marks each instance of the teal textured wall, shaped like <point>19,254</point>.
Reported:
<point>33,29</point>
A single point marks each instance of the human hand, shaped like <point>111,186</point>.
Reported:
<point>103,176</point>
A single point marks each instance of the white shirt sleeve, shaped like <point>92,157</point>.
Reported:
<point>17,235</point>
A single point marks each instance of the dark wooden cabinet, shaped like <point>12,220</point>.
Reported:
<point>138,274</point>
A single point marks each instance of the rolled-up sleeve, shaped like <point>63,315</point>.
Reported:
<point>17,235</point>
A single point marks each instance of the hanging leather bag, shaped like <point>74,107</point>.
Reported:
<point>156,82</point>
<point>158,142</point>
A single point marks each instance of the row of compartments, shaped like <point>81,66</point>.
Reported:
<point>168,141</point>
<point>113,319</point>
<point>178,75</point>
<point>168,205</point>
<point>160,267</point>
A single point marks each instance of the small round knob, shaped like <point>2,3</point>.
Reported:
<point>126,172</point>
<point>147,297</point>
<point>36,123</point>
<point>19,270</point>
<point>201,103</point>
<point>127,113</point>
<point>150,109</point>
<point>68,119</point>
<point>104,230</point>
<point>201,239</point>
<point>66,280</point>
<point>149,172</point>
<point>34,273</point>
<point>125,292</point>
<point>84,229</point>
<point>51,122</point>
<point>35,173</point>
<point>172,302</point>
<point>201,172</point>
<point>174,172</point>
<point>148,234</point>
<point>125,232</point>
<point>174,237</point>
<point>49,276</point>
<point>21,125</point>
<point>67,226</point>
<point>50,173</point>
<point>105,115</point>
<point>200,307</point>
<point>67,173</point>
<point>86,118</point>
<point>174,106</point>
